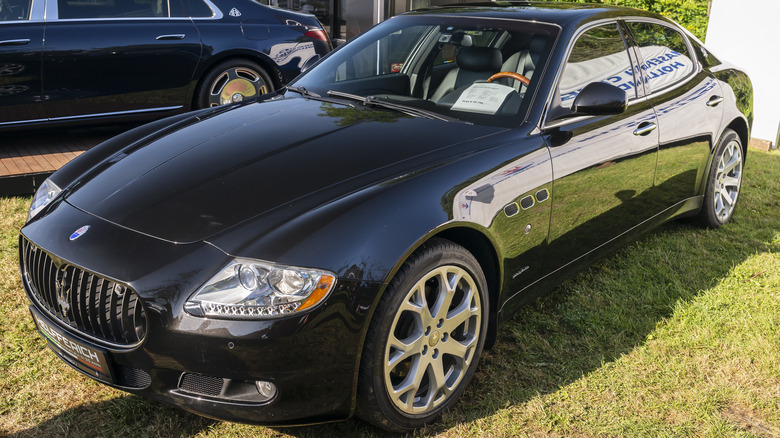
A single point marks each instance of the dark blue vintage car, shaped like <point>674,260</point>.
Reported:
<point>440,171</point>
<point>71,60</point>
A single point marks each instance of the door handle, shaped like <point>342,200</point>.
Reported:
<point>15,42</point>
<point>645,128</point>
<point>714,100</point>
<point>173,36</point>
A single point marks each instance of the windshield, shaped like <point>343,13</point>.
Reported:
<point>476,70</point>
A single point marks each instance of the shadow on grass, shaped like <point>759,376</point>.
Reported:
<point>126,415</point>
<point>591,320</point>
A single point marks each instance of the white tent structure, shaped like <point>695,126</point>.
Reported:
<point>745,33</point>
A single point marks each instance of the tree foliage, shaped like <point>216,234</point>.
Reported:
<point>692,14</point>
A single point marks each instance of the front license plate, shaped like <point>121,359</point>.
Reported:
<point>89,359</point>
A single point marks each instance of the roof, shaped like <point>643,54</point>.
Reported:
<point>549,12</point>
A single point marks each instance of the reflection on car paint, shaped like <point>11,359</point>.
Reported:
<point>292,53</point>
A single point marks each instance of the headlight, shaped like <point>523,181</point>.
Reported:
<point>43,196</point>
<point>252,289</point>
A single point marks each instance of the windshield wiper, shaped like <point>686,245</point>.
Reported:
<point>303,92</point>
<point>406,109</point>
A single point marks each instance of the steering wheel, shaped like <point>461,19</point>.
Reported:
<point>511,75</point>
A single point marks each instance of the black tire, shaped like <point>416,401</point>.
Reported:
<point>443,347</point>
<point>724,181</point>
<point>233,81</point>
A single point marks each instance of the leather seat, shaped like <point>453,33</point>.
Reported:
<point>524,62</point>
<point>473,64</point>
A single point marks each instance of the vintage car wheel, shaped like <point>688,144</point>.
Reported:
<point>724,182</point>
<point>233,81</point>
<point>425,340</point>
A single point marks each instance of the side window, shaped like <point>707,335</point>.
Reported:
<point>706,58</point>
<point>69,9</point>
<point>14,10</point>
<point>386,56</point>
<point>665,55</point>
<point>195,9</point>
<point>599,55</point>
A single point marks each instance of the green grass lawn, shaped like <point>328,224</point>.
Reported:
<point>675,335</point>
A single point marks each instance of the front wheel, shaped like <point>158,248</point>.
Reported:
<point>233,81</point>
<point>425,339</point>
<point>724,182</point>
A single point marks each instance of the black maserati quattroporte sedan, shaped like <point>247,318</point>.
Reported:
<point>441,170</point>
<point>74,61</point>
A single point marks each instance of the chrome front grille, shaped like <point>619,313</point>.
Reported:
<point>92,305</point>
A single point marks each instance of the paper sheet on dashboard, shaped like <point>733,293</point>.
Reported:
<point>483,97</point>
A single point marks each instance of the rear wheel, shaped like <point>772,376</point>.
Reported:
<point>724,182</point>
<point>233,81</point>
<point>425,339</point>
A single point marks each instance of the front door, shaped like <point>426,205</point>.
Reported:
<point>603,166</point>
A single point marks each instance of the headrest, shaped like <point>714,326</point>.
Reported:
<point>537,43</point>
<point>479,59</point>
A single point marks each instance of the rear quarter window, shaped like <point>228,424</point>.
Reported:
<point>666,59</point>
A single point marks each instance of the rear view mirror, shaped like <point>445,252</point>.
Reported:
<point>309,63</point>
<point>598,98</point>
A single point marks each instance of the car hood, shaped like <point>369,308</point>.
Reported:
<point>192,183</point>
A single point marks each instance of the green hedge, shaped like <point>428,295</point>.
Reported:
<point>689,13</point>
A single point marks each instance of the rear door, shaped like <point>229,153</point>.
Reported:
<point>116,56</point>
<point>687,100</point>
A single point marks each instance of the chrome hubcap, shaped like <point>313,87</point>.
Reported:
<point>727,181</point>
<point>235,85</point>
<point>432,340</point>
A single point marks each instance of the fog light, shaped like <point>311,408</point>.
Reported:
<point>267,390</point>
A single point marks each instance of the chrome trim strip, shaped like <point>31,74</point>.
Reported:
<point>130,19</point>
<point>51,13</point>
<point>91,116</point>
<point>19,122</point>
<point>118,113</point>
<point>19,42</point>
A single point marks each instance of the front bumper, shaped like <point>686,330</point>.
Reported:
<point>206,366</point>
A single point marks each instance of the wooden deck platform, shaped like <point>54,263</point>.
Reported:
<point>28,158</point>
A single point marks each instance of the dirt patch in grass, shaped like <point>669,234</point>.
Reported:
<point>750,421</point>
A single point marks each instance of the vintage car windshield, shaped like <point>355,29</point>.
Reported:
<point>440,67</point>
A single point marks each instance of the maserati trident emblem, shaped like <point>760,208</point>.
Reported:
<point>80,232</point>
<point>62,288</point>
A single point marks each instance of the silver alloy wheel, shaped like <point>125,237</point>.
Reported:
<point>432,340</point>
<point>234,85</point>
<point>728,180</point>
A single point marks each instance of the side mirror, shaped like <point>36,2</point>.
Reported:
<point>598,98</point>
<point>309,63</point>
